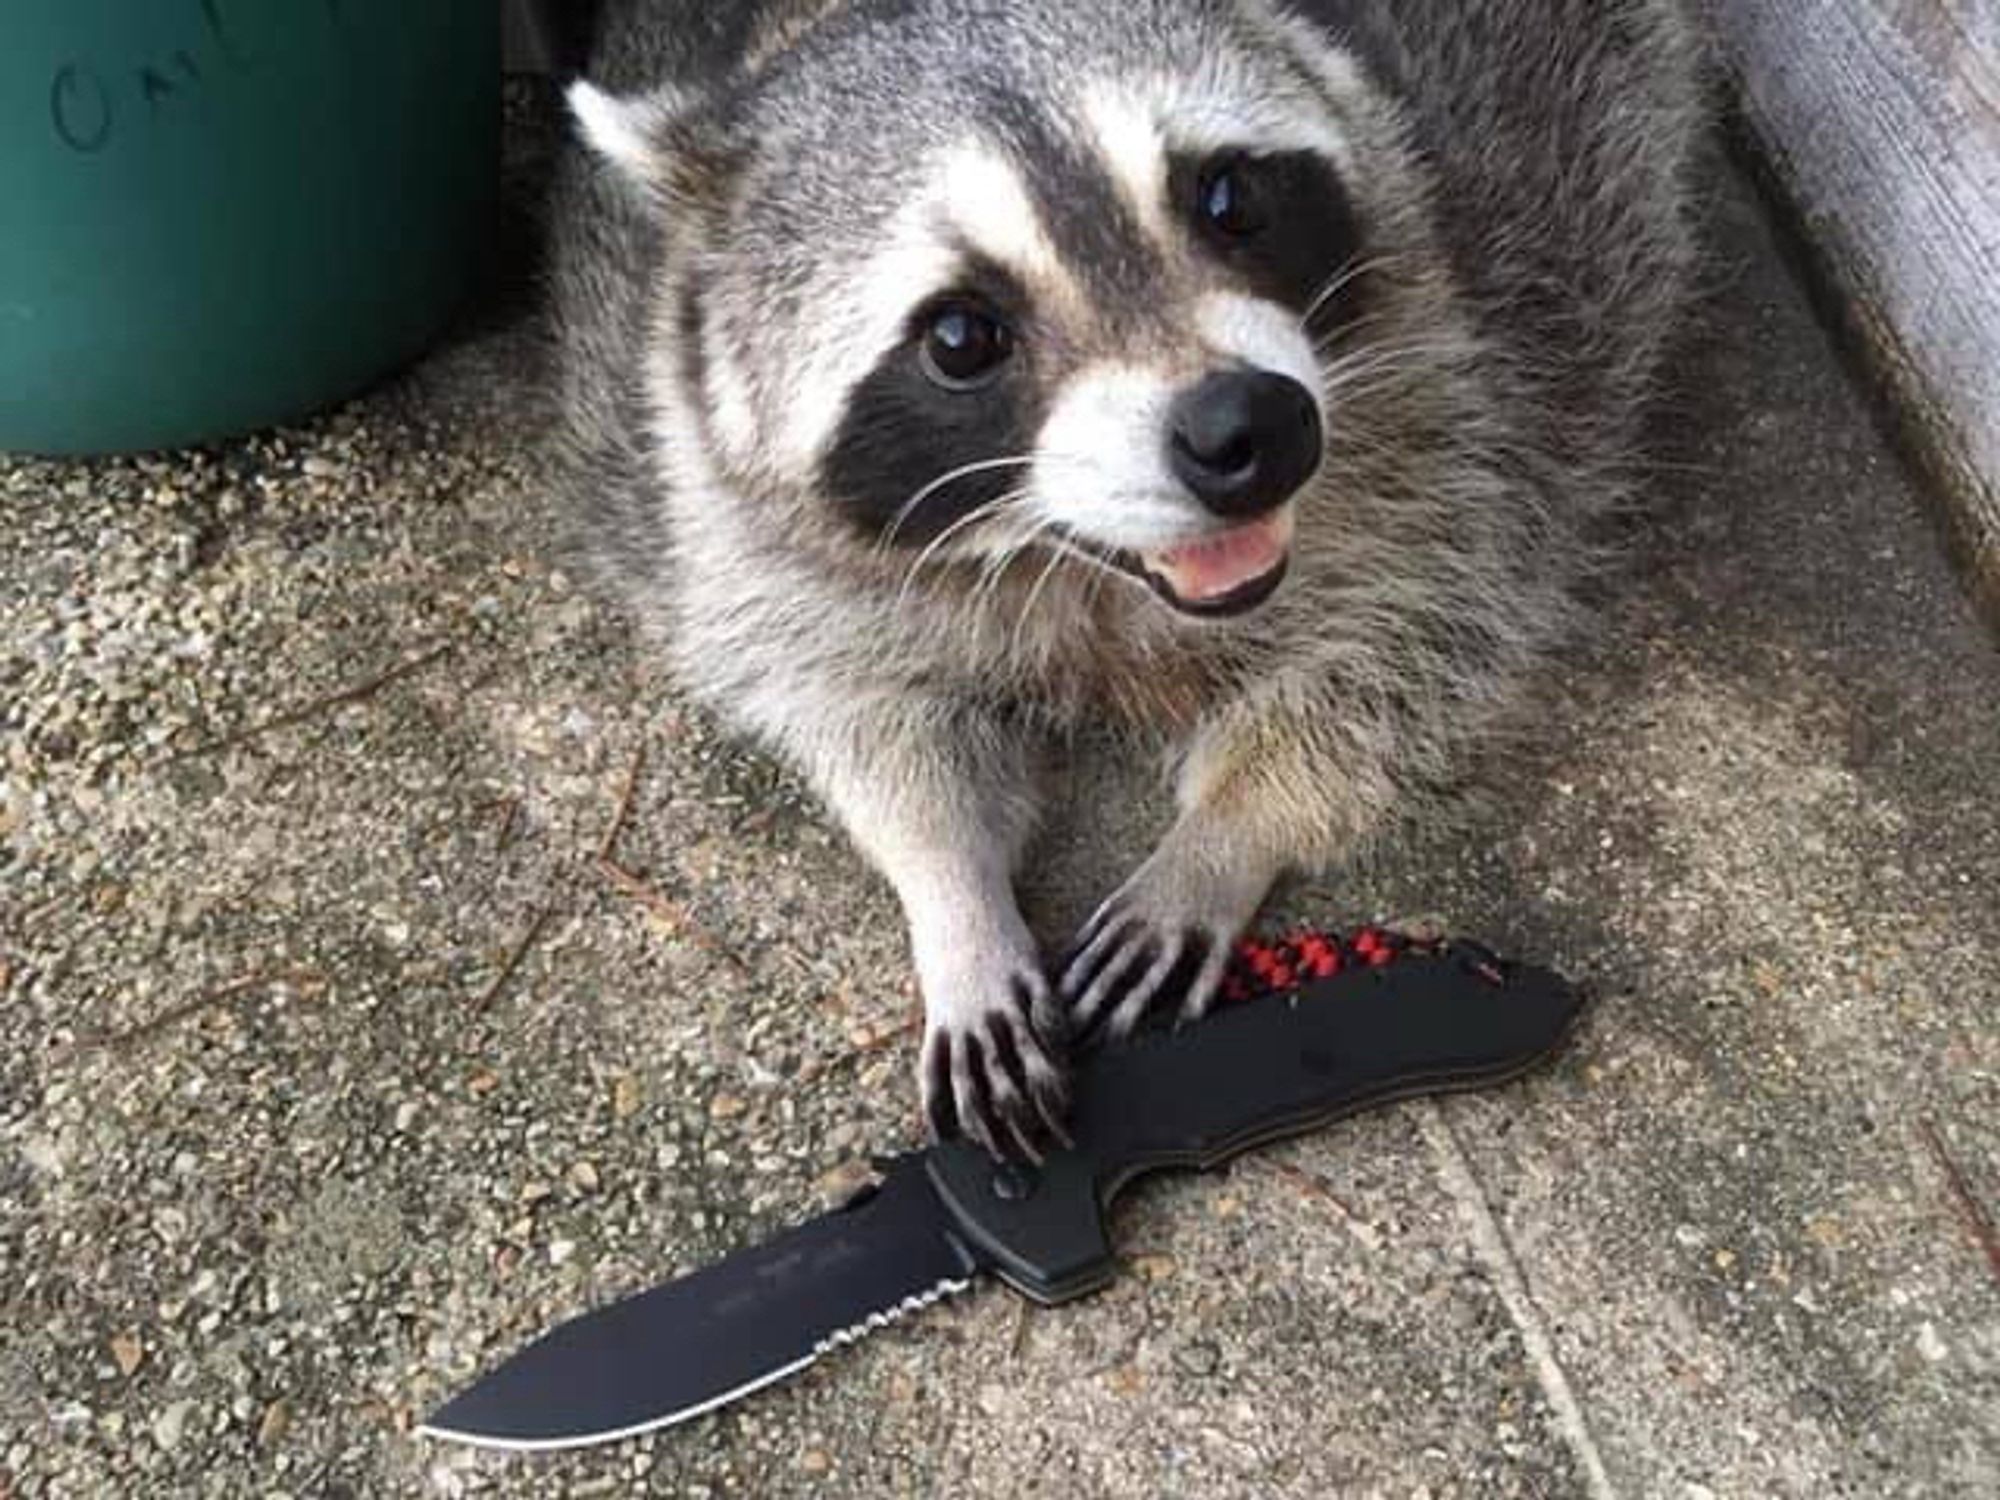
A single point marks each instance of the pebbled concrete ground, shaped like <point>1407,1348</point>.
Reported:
<point>337,1065</point>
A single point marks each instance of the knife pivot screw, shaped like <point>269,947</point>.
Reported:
<point>1012,1183</point>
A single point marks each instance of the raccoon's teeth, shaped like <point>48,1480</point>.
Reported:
<point>1217,566</point>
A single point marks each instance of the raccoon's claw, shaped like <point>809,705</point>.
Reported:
<point>988,1072</point>
<point>1164,936</point>
<point>1122,970</point>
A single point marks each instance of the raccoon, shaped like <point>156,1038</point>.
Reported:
<point>941,375</point>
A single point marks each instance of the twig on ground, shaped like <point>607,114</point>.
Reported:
<point>317,706</point>
<point>673,913</point>
<point>670,912</point>
<point>510,818</point>
<point>514,960</point>
<point>1976,1217</point>
<point>509,807</point>
<point>222,995</point>
<point>608,847</point>
<point>1310,1185</point>
<point>48,908</point>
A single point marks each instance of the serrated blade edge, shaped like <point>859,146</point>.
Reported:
<point>854,1333</point>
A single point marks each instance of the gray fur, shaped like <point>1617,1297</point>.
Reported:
<point>1521,166</point>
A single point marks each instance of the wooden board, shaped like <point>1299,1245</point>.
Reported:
<point>1881,120</point>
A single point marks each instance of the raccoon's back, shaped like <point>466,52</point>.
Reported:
<point>1559,135</point>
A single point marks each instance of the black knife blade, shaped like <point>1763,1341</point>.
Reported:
<point>755,1317</point>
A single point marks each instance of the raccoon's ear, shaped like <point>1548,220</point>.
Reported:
<point>659,142</point>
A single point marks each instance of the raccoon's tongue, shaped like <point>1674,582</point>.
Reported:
<point>1217,566</point>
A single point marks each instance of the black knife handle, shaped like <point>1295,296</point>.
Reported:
<point>1247,1074</point>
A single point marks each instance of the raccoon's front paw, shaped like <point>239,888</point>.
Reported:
<point>992,1065</point>
<point>1169,926</point>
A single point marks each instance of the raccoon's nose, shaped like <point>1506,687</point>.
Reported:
<point>1244,441</point>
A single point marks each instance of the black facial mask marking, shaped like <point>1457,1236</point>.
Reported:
<point>1290,231</point>
<point>902,432</point>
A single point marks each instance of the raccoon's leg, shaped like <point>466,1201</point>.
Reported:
<point>940,799</point>
<point>1284,784</point>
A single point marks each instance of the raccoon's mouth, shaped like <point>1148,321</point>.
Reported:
<point>1228,573</point>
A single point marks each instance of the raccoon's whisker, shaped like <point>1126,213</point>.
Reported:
<point>1011,500</point>
<point>1343,277</point>
<point>1385,365</point>
<point>993,568</point>
<point>1371,322</point>
<point>1396,349</point>
<point>983,512</point>
<point>1017,503</point>
<point>1365,324</point>
<point>1095,564</point>
<point>1002,558</point>
<point>1097,567</point>
<point>952,476</point>
<point>1056,559</point>
<point>1044,529</point>
<point>996,566</point>
<point>1098,576</point>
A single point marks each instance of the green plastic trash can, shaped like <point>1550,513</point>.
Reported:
<point>216,215</point>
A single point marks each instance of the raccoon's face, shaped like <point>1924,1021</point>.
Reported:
<point>1124,368</point>
<point>1063,277</point>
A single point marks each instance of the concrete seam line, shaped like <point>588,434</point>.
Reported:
<point>1508,1281</point>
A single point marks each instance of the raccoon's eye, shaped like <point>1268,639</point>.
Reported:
<point>1228,200</point>
<point>964,346</point>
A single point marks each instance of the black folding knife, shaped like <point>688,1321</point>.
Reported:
<point>1397,1019</point>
